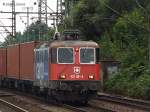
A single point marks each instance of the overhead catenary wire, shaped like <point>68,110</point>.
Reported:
<point>2,35</point>
<point>118,13</point>
<point>3,26</point>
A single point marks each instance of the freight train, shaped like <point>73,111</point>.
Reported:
<point>66,70</point>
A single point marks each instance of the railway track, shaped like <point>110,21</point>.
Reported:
<point>4,94</point>
<point>73,108</point>
<point>134,103</point>
<point>12,106</point>
<point>87,108</point>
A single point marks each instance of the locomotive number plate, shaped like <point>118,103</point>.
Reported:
<point>76,76</point>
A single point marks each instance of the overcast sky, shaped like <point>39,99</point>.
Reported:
<point>20,18</point>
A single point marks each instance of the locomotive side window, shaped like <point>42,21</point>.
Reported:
<point>97,55</point>
<point>87,55</point>
<point>65,55</point>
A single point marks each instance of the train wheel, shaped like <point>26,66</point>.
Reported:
<point>80,102</point>
<point>84,102</point>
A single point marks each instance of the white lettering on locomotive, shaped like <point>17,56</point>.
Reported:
<point>74,76</point>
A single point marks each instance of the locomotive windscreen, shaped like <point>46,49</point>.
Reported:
<point>65,55</point>
<point>87,55</point>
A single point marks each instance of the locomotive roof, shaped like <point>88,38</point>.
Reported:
<point>73,44</point>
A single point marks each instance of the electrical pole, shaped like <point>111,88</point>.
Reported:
<point>68,5</point>
<point>42,11</point>
<point>27,24</point>
<point>27,17</point>
<point>60,12</point>
<point>42,14</point>
<point>13,19</point>
<point>5,27</point>
<point>13,5</point>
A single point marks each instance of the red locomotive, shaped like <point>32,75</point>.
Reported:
<point>68,70</point>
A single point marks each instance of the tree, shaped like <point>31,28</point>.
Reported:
<point>35,32</point>
<point>131,38</point>
<point>95,17</point>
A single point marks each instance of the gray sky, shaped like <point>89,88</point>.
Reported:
<point>20,19</point>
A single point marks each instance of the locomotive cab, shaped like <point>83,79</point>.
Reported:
<point>75,67</point>
<point>75,61</point>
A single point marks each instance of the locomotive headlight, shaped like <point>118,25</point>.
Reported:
<point>62,76</point>
<point>91,76</point>
<point>76,49</point>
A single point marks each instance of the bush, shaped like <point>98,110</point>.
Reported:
<point>130,84</point>
<point>117,84</point>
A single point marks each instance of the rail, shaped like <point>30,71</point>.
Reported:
<point>2,94</point>
<point>74,108</point>
<point>87,108</point>
<point>140,104</point>
<point>19,109</point>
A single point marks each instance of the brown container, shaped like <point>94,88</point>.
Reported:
<point>2,62</point>
<point>27,60</point>
<point>13,61</point>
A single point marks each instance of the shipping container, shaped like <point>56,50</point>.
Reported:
<point>2,62</point>
<point>13,61</point>
<point>27,60</point>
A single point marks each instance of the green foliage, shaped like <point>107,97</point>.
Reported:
<point>85,17</point>
<point>95,17</point>
<point>130,39</point>
<point>36,31</point>
<point>131,28</point>
<point>121,6</point>
<point>124,83</point>
<point>130,47</point>
<point>107,48</point>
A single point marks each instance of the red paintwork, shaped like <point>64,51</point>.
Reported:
<point>68,69</point>
<point>2,62</point>
<point>13,61</point>
<point>27,60</point>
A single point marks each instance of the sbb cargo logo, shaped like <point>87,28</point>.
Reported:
<point>77,74</point>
